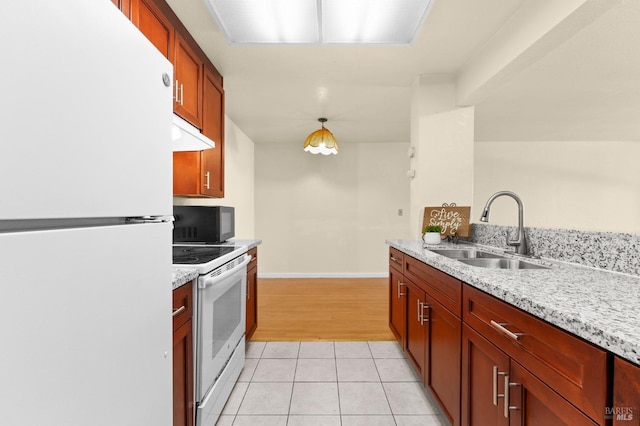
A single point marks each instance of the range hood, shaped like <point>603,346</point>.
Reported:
<point>187,137</point>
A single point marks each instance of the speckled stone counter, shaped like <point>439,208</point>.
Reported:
<point>599,306</point>
<point>249,243</point>
<point>182,276</point>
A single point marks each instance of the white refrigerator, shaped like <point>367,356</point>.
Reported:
<point>85,292</point>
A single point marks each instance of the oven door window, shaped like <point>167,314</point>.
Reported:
<point>226,317</point>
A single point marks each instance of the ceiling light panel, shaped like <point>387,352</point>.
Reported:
<point>267,21</point>
<point>320,21</point>
<point>372,21</point>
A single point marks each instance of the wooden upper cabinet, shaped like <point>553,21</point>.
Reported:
<point>124,6</point>
<point>213,127</point>
<point>198,95</point>
<point>154,25</point>
<point>188,73</point>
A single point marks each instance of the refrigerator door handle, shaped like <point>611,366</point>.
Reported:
<point>149,219</point>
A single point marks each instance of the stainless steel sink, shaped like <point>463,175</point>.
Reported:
<point>503,263</point>
<point>467,254</point>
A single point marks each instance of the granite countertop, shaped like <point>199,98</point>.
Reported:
<point>599,306</point>
<point>182,275</point>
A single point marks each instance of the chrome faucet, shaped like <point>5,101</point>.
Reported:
<point>520,243</point>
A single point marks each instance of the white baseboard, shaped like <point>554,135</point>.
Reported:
<point>324,275</point>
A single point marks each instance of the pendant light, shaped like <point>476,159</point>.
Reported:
<point>321,141</point>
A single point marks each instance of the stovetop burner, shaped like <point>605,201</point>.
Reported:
<point>195,255</point>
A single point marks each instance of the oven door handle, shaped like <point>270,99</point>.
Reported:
<point>209,281</point>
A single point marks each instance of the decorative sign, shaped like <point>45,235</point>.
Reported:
<point>453,220</point>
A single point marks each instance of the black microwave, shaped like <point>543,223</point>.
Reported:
<point>203,224</point>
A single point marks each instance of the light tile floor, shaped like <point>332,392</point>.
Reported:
<point>327,384</point>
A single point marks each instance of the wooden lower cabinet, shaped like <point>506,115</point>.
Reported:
<point>496,390</point>
<point>397,303</point>
<point>487,362</point>
<point>183,403</point>
<point>532,402</point>
<point>571,367</point>
<point>430,332</point>
<point>397,297</point>
<point>417,329</point>
<point>252,294</point>
<point>443,358</point>
<point>625,410</point>
<point>484,367</point>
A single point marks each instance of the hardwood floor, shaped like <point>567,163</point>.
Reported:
<point>323,309</point>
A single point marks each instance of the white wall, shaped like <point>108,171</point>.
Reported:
<point>442,135</point>
<point>329,215</point>
<point>238,180</point>
<point>583,185</point>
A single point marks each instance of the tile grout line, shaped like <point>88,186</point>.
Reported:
<point>382,385</point>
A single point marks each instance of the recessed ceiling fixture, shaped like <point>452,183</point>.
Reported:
<point>321,141</point>
<point>320,21</point>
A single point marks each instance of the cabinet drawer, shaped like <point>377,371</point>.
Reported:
<point>396,259</point>
<point>572,367</point>
<point>442,287</point>
<point>182,304</point>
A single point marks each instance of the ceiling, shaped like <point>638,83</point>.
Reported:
<point>578,81</point>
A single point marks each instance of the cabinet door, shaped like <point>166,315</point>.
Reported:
<point>188,71</point>
<point>252,294</point>
<point>484,368</point>
<point>397,303</point>
<point>626,393</point>
<point>187,173</point>
<point>154,25</point>
<point>213,127</point>
<point>183,375</point>
<point>531,402</point>
<point>443,354</point>
<point>417,329</point>
<point>124,6</point>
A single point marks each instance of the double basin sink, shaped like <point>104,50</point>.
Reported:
<point>485,259</point>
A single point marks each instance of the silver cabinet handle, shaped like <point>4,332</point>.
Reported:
<point>179,97</point>
<point>395,259</point>
<point>420,311</point>
<point>496,395</point>
<point>175,96</point>
<point>507,396</point>
<point>425,318</point>
<point>206,176</point>
<point>501,327</point>
<point>400,294</point>
<point>179,310</point>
